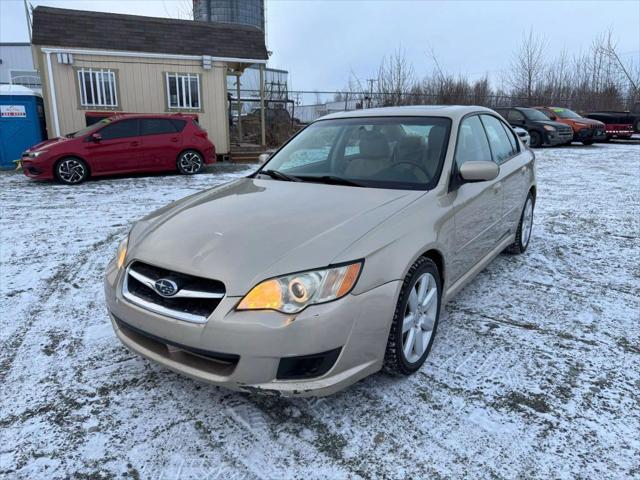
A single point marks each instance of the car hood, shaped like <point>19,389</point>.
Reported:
<point>251,229</point>
<point>590,122</point>
<point>558,125</point>
<point>49,143</point>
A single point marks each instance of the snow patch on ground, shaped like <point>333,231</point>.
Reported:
<point>535,372</point>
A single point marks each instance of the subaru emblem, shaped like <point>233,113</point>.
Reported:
<point>166,287</point>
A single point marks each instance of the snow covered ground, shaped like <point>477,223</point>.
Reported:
<point>535,372</point>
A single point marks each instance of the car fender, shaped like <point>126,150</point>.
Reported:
<point>393,246</point>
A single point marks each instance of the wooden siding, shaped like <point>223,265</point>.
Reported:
<point>140,89</point>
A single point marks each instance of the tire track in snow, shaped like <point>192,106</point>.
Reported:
<point>65,273</point>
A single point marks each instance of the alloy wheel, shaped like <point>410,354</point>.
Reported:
<point>419,317</point>
<point>190,162</point>
<point>71,171</point>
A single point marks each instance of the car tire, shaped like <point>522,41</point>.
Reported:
<point>71,171</point>
<point>523,234</point>
<point>587,142</point>
<point>190,162</point>
<point>536,139</point>
<point>415,319</point>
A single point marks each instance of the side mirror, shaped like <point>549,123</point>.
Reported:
<point>263,157</point>
<point>96,137</point>
<point>480,171</point>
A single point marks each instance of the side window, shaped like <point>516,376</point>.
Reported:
<point>156,126</point>
<point>515,146</point>
<point>472,142</point>
<point>515,116</point>
<point>121,129</point>
<point>498,139</point>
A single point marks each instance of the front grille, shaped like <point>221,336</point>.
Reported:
<point>565,132</point>
<point>194,300</point>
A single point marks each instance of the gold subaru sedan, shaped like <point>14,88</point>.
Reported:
<point>334,259</point>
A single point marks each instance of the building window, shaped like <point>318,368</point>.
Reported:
<point>97,88</point>
<point>183,91</point>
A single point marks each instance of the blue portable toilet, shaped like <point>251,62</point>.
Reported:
<point>22,122</point>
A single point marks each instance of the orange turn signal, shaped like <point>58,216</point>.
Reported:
<point>266,295</point>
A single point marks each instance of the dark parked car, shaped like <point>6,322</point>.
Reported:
<point>122,144</point>
<point>541,130</point>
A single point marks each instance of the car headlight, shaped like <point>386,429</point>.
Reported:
<point>293,293</point>
<point>549,128</point>
<point>121,253</point>
<point>36,154</point>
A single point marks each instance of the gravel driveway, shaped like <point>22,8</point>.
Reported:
<point>535,372</point>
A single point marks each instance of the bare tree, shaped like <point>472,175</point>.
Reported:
<point>609,49</point>
<point>395,79</point>
<point>527,67</point>
<point>180,9</point>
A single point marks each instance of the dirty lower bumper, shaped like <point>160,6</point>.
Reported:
<point>245,350</point>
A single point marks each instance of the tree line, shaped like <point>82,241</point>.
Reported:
<point>598,79</point>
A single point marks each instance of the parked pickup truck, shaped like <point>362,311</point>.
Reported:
<point>585,130</point>
<point>619,124</point>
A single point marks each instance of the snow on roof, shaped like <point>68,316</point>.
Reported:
<point>17,90</point>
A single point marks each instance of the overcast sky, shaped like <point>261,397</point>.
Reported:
<point>322,43</point>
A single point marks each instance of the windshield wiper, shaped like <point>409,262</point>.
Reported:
<point>277,175</point>
<point>332,180</point>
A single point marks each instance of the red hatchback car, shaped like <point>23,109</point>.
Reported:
<point>122,144</point>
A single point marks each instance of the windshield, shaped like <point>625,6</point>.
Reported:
<point>565,113</point>
<point>533,114</point>
<point>90,128</point>
<point>382,152</point>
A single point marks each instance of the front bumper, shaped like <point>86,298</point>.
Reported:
<point>559,137</point>
<point>35,170</point>
<point>251,344</point>
<point>589,134</point>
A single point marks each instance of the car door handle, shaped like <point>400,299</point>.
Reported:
<point>174,139</point>
<point>523,170</point>
<point>496,188</point>
<point>134,144</point>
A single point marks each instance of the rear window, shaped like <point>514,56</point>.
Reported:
<point>178,124</point>
<point>156,126</point>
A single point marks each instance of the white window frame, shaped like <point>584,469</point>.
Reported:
<point>98,88</point>
<point>184,102</point>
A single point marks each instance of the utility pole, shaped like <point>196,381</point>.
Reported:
<point>239,105</point>
<point>28,15</point>
<point>370,96</point>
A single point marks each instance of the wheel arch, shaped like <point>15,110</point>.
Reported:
<point>438,258</point>
<point>188,149</point>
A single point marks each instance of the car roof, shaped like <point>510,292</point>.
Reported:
<point>451,111</point>
<point>134,116</point>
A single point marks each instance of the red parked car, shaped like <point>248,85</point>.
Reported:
<point>122,144</point>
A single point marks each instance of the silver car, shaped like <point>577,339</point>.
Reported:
<point>334,259</point>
